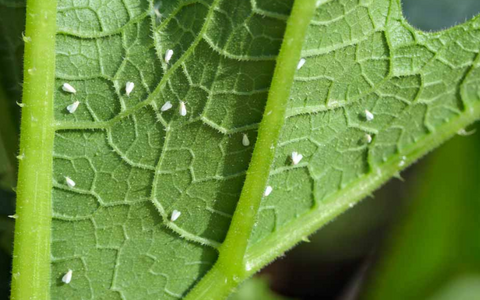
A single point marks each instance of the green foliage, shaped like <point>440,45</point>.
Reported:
<point>437,245</point>
<point>134,164</point>
<point>255,289</point>
<point>465,288</point>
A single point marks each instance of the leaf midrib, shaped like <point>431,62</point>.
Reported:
<point>231,267</point>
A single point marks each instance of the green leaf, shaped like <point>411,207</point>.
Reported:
<point>133,164</point>
<point>420,87</point>
<point>466,287</point>
<point>436,243</point>
<point>255,288</point>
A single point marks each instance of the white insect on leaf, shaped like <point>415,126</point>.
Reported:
<point>73,107</point>
<point>368,115</point>
<point>268,191</point>
<point>296,157</point>
<point>402,162</point>
<point>367,138</point>
<point>168,55</point>
<point>320,2</point>
<point>182,109</point>
<point>166,106</point>
<point>175,215</point>
<point>245,140</point>
<point>66,87</point>
<point>69,181</point>
<point>67,277</point>
<point>300,64</point>
<point>464,132</point>
<point>129,87</point>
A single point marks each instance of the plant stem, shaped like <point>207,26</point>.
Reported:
<point>230,269</point>
<point>31,263</point>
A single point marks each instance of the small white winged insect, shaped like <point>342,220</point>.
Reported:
<point>73,107</point>
<point>69,181</point>
<point>175,215</point>
<point>245,140</point>
<point>166,106</point>
<point>368,115</point>
<point>296,157</point>
<point>168,55</point>
<point>367,138</point>
<point>67,277</point>
<point>129,87</point>
<point>268,191</point>
<point>182,109</point>
<point>66,87</point>
<point>300,64</point>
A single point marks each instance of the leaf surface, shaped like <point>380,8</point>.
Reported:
<point>363,56</point>
<point>134,164</point>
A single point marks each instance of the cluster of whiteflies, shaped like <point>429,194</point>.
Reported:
<point>129,86</point>
<point>295,157</point>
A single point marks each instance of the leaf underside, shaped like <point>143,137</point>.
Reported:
<point>133,164</point>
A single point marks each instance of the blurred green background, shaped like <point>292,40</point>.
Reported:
<point>415,239</point>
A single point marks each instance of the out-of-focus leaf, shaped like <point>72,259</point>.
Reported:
<point>462,288</point>
<point>256,288</point>
<point>439,239</point>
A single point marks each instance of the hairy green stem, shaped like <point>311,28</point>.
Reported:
<point>31,263</point>
<point>231,268</point>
